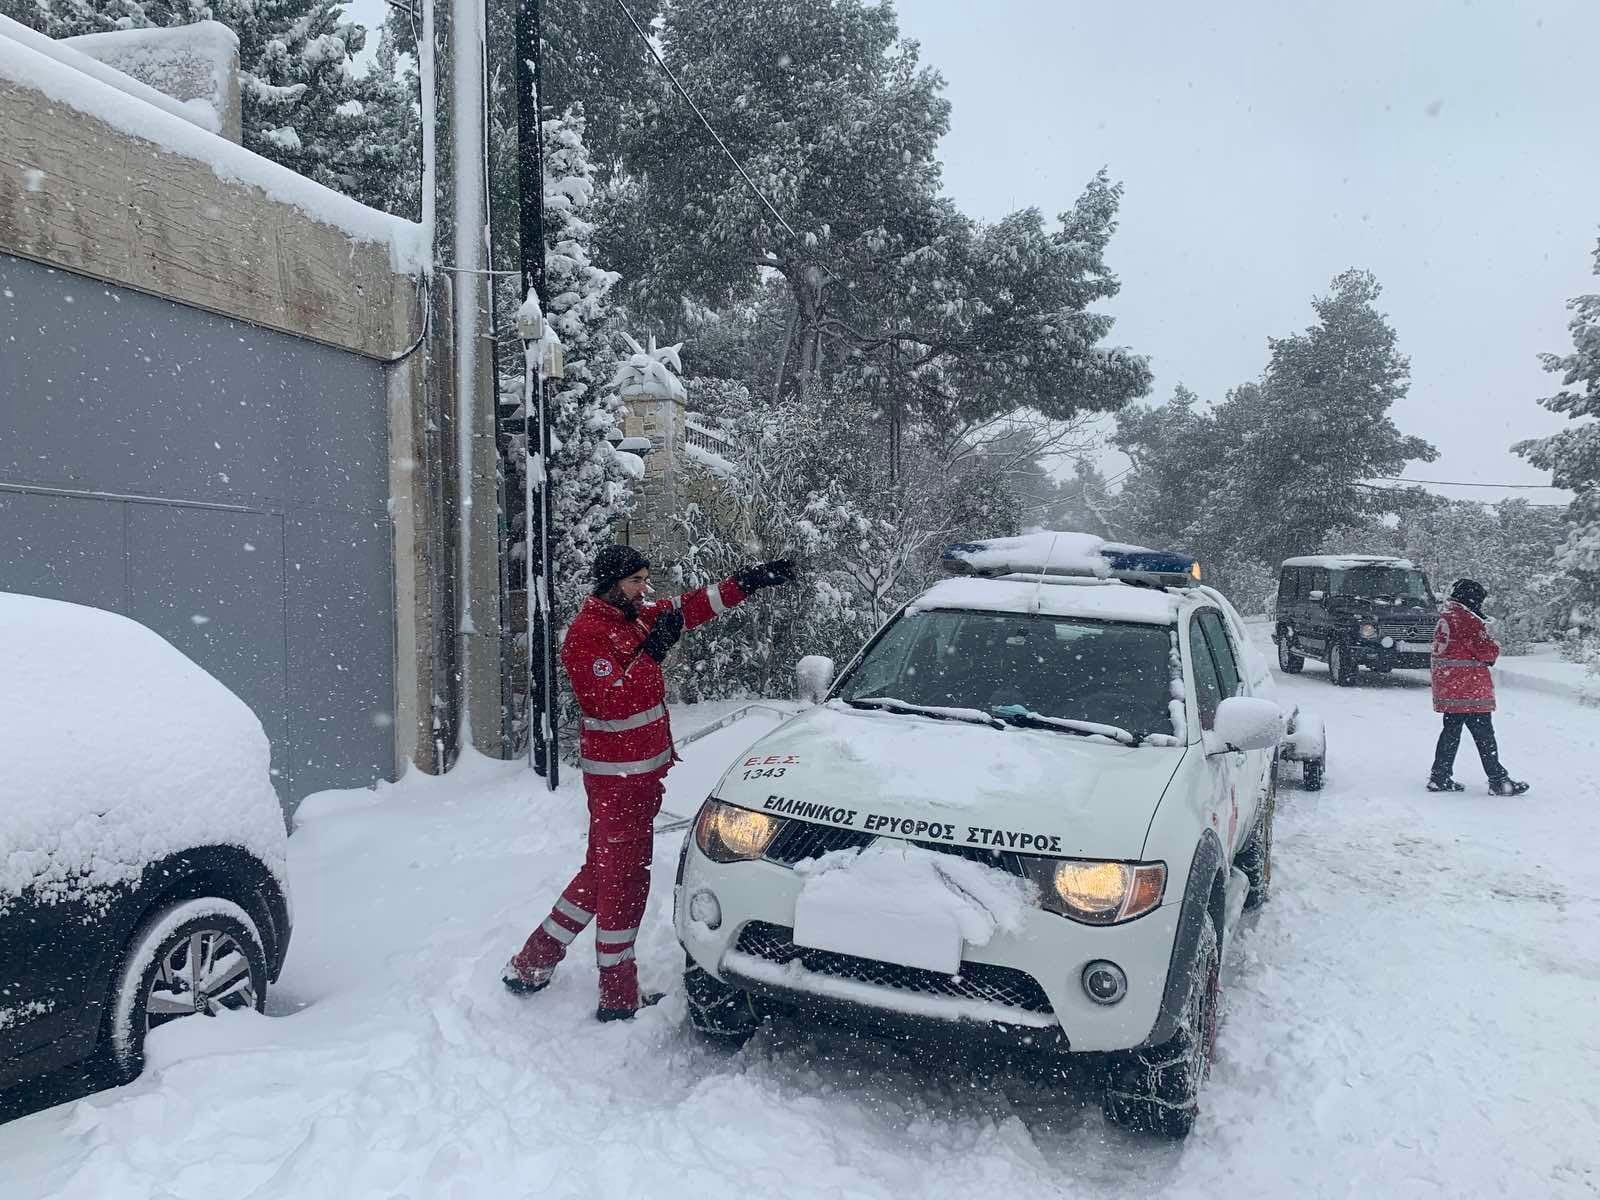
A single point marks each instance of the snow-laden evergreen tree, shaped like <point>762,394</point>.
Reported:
<point>1572,456</point>
<point>301,102</point>
<point>1302,448</point>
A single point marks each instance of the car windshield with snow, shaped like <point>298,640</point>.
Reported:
<point>1031,810</point>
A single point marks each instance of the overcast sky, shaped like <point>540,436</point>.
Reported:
<point>1449,147</point>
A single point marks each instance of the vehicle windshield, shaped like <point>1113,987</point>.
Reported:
<point>1113,673</point>
<point>1388,583</point>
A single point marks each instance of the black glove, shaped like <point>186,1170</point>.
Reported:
<point>663,635</point>
<point>767,574</point>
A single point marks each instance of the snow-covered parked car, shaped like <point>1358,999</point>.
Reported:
<point>142,847</point>
<point>1031,809</point>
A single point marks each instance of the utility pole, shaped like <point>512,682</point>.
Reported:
<point>540,705</point>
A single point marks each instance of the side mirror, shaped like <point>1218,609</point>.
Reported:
<point>1316,594</point>
<point>813,676</point>
<point>1248,723</point>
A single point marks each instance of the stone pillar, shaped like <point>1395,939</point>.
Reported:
<point>656,407</point>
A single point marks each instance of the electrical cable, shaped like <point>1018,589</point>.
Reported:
<point>738,166</point>
<point>1467,483</point>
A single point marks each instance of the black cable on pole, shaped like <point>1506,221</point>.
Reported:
<point>738,166</point>
<point>1469,483</point>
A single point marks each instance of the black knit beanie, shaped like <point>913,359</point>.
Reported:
<point>1471,593</point>
<point>614,564</point>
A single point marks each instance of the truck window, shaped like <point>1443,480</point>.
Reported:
<point>1319,580</point>
<point>1208,688</point>
<point>1289,584</point>
<point>1228,674</point>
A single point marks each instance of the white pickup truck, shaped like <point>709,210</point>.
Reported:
<point>1031,809</point>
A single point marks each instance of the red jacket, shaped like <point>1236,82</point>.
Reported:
<point>622,694</point>
<point>1462,654</point>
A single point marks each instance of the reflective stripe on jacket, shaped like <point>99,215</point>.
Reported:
<point>621,692</point>
<point>1462,654</point>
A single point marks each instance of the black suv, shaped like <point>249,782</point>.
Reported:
<point>1353,610</point>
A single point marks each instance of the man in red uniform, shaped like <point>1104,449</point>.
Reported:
<point>612,653</point>
<point>1463,690</point>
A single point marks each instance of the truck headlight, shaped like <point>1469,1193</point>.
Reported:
<point>1369,631</point>
<point>1097,893</point>
<point>727,834</point>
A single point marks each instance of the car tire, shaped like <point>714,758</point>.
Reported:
<point>1255,856</point>
<point>717,1011</point>
<point>1311,772</point>
<point>1289,662</point>
<point>1340,669</point>
<point>1156,1089</point>
<point>191,957</point>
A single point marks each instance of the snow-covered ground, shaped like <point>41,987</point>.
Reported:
<point>1411,1015</point>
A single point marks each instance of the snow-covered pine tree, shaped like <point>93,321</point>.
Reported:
<point>301,102</point>
<point>1573,459</point>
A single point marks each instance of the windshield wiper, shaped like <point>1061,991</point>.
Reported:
<point>970,716</point>
<point>1018,714</point>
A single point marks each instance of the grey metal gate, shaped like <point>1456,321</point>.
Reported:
<point>225,485</point>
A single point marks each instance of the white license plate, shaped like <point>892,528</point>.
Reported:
<point>884,932</point>
<point>1415,647</point>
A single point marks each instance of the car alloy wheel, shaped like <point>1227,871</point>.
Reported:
<point>205,972</point>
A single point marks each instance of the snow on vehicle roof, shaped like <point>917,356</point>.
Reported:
<point>1095,599</point>
<point>1044,550</point>
<point>1344,562</point>
<point>119,751</point>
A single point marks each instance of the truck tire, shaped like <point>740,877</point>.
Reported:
<point>1340,669</point>
<point>1156,1089</point>
<point>1311,774</point>
<point>717,1011</point>
<point>1289,662</point>
<point>1255,856</point>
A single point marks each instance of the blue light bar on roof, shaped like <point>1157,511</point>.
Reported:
<point>1070,555</point>
<point>1150,562</point>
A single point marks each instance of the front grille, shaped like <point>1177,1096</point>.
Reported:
<point>800,840</point>
<point>1001,860</point>
<point>1408,633</point>
<point>977,981</point>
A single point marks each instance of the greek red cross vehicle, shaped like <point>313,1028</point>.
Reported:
<point>1031,809</point>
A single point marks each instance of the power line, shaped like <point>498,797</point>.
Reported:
<point>738,166</point>
<point>1468,483</point>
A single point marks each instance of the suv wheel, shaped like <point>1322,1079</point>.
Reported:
<point>198,956</point>
<point>1340,668</point>
<point>1157,1088</point>
<point>1289,662</point>
<point>716,1011</point>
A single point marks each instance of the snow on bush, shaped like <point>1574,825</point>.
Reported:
<point>120,751</point>
<point>924,905</point>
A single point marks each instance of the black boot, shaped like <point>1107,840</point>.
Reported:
<point>646,999</point>
<point>1507,786</point>
<point>1445,784</point>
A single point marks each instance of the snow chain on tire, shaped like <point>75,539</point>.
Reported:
<point>1156,1089</point>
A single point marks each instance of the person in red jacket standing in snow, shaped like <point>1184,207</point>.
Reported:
<point>1463,690</point>
<point>612,654</point>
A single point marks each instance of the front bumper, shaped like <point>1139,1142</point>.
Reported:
<point>1022,988</point>
<point>1372,654</point>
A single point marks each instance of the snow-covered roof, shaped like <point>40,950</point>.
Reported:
<point>69,77</point>
<point>119,751</point>
<point>1344,562</point>
<point>1043,550</point>
<point>195,64</point>
<point>1095,599</point>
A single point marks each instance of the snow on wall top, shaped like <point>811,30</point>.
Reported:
<point>72,78</point>
<point>1344,562</point>
<point>194,64</point>
<point>1044,550</point>
<point>1108,601</point>
<point>119,751</point>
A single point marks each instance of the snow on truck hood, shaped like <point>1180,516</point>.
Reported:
<point>1033,791</point>
<point>118,750</point>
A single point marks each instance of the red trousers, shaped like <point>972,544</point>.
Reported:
<point>613,884</point>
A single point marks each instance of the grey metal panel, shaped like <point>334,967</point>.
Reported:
<point>211,583</point>
<point>62,547</point>
<point>341,649</point>
<point>164,416</point>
